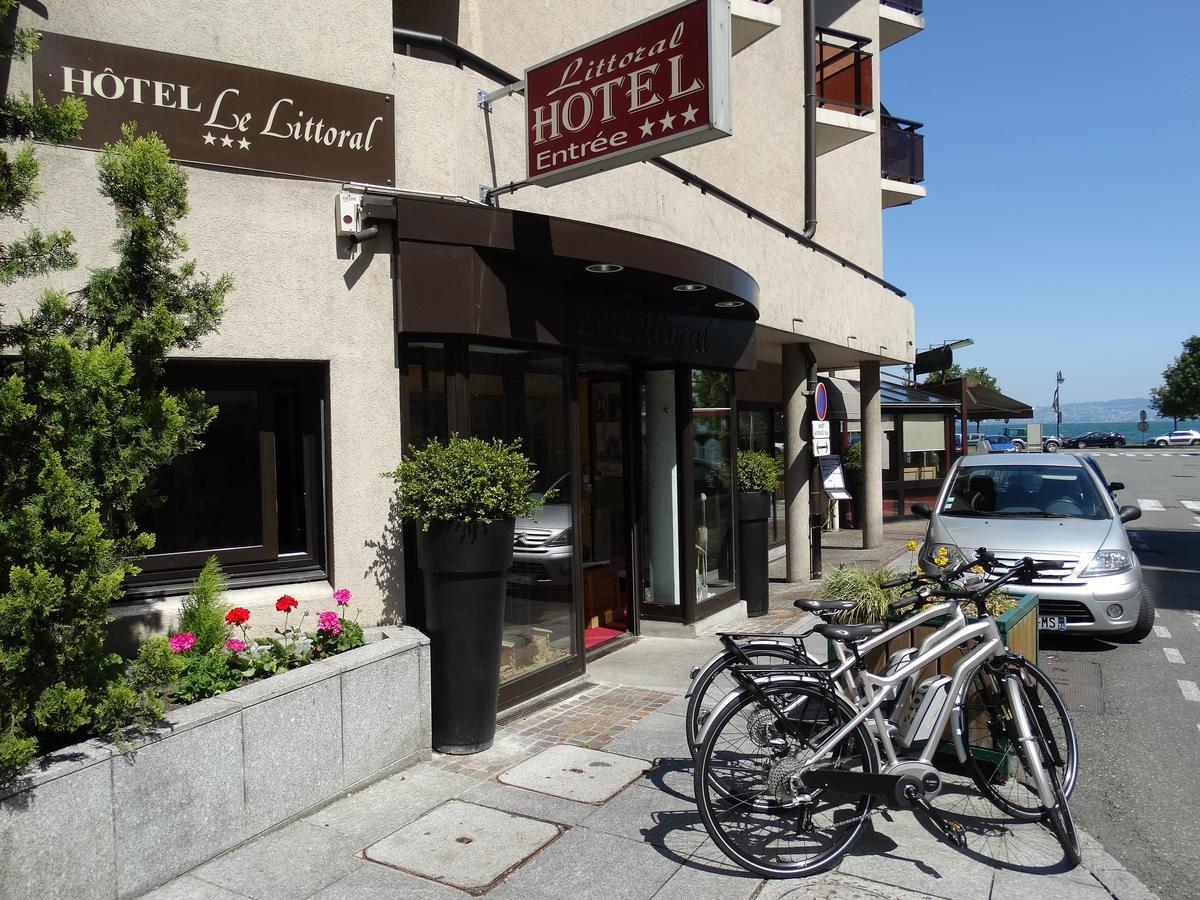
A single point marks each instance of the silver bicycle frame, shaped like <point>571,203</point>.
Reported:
<point>876,686</point>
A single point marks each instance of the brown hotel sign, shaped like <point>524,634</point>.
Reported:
<point>220,114</point>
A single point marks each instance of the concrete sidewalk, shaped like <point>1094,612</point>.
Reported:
<point>591,796</point>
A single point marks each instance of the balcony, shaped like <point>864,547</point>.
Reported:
<point>751,20</point>
<point>899,19</point>
<point>902,150</point>
<point>845,89</point>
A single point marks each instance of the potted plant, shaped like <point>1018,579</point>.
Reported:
<point>757,479</point>
<point>464,496</point>
<point>852,469</point>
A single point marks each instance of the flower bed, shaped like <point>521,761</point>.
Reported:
<point>92,821</point>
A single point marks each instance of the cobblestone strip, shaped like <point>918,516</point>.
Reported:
<point>590,719</point>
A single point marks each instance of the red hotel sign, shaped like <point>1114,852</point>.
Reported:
<point>659,85</point>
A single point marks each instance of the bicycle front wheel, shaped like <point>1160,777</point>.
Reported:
<point>713,683</point>
<point>992,760</point>
<point>748,783</point>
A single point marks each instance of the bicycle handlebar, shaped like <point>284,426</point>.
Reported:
<point>1019,572</point>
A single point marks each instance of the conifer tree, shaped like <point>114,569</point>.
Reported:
<point>85,425</point>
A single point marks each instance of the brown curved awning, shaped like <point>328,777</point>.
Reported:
<point>980,402</point>
<point>467,268</point>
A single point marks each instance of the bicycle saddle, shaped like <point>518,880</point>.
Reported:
<point>849,634</point>
<point>822,605</point>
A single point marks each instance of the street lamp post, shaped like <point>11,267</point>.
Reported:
<point>1058,406</point>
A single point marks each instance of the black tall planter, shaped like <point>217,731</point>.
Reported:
<point>753,511</point>
<point>854,487</point>
<point>464,568</point>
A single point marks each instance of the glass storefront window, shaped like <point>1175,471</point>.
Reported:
<point>660,481</point>
<point>426,369</point>
<point>924,443</point>
<point>712,482</point>
<point>522,394</point>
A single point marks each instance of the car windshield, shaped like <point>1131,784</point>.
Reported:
<point>1051,492</point>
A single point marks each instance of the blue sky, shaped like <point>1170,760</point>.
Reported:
<point>1062,160</point>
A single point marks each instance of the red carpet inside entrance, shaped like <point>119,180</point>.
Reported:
<point>593,637</point>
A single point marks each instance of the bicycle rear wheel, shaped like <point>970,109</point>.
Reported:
<point>748,787</point>
<point>1062,823</point>
<point>993,762</point>
<point>713,683</point>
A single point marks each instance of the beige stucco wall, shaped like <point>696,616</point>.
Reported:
<point>297,294</point>
<point>299,297</point>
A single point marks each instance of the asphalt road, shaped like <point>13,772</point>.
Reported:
<point>1139,787</point>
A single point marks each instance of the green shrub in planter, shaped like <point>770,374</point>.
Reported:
<point>864,587</point>
<point>757,471</point>
<point>852,457</point>
<point>465,480</point>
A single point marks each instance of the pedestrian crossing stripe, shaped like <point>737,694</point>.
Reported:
<point>1193,505</point>
<point>1150,505</point>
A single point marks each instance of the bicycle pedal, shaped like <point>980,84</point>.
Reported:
<point>956,833</point>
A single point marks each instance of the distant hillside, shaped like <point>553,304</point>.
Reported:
<point>1098,411</point>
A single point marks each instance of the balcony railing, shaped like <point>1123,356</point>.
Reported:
<point>916,7</point>
<point>843,72</point>
<point>903,150</point>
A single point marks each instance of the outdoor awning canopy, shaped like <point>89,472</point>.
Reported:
<point>980,402</point>
<point>844,402</point>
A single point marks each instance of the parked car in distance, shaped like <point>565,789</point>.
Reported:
<point>1001,443</point>
<point>1050,508</point>
<point>1050,444</point>
<point>1096,439</point>
<point>1178,439</point>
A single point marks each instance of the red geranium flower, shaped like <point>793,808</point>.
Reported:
<point>237,615</point>
<point>286,602</point>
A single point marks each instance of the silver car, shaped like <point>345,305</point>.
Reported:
<point>1049,508</point>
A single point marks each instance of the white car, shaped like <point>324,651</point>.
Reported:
<point>1178,439</point>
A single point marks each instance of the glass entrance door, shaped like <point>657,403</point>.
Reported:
<point>604,538</point>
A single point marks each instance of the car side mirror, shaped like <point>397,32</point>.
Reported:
<point>1116,485</point>
<point>1129,513</point>
<point>923,510</point>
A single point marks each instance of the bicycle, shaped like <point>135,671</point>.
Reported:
<point>789,769</point>
<point>715,678</point>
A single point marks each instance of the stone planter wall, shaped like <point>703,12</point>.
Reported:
<point>91,821</point>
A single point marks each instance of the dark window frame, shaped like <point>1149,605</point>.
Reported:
<point>171,573</point>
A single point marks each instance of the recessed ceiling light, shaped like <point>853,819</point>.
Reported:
<point>604,268</point>
<point>729,304</point>
<point>689,288</point>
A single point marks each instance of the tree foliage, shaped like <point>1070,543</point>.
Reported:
<point>1178,397</point>
<point>954,371</point>
<point>85,425</point>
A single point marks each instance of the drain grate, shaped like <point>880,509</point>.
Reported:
<point>1080,680</point>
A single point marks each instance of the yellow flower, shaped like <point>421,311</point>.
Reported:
<point>977,569</point>
<point>911,546</point>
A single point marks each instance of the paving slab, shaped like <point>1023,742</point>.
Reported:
<point>1011,885</point>
<point>833,886</point>
<point>295,861</point>
<point>388,805</point>
<point>586,864</point>
<point>575,773</point>
<point>463,844</point>
<point>659,735</point>
<point>188,887</point>
<point>701,882</point>
<point>528,803</point>
<point>653,817</point>
<point>382,883</point>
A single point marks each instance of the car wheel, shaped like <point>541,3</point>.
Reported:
<point>1119,444</point>
<point>1160,443</point>
<point>1145,619</point>
<point>1051,447</point>
<point>1194,443</point>
<point>1082,445</point>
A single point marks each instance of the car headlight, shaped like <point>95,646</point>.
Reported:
<point>562,539</point>
<point>1110,562</point>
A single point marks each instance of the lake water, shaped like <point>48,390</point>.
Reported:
<point>1158,427</point>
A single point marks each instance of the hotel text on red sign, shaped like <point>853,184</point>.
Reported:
<point>657,86</point>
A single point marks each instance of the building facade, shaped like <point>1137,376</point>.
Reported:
<point>612,323</point>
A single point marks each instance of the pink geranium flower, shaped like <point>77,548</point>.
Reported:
<point>182,642</point>
<point>342,596</point>
<point>328,621</point>
<point>235,645</point>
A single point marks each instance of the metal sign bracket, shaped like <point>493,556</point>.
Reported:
<point>484,100</point>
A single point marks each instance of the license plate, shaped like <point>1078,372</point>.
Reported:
<point>1052,623</point>
<point>522,578</point>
